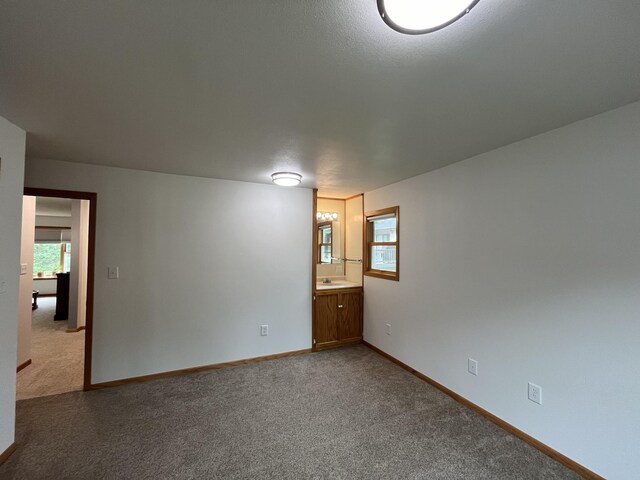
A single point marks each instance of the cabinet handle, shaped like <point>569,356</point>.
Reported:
<point>339,306</point>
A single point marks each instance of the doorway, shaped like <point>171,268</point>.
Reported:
<point>55,328</point>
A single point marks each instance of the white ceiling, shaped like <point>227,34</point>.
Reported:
<point>240,89</point>
<point>53,207</point>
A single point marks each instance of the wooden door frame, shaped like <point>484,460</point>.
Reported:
<point>91,260</point>
<point>314,261</point>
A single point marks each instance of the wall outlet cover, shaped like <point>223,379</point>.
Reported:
<point>113,273</point>
<point>387,329</point>
<point>264,330</point>
<point>535,393</point>
<point>472,366</point>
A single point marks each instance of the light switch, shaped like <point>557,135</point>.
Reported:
<point>23,268</point>
<point>113,273</point>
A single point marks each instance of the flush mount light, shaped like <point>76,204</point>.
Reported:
<point>324,216</point>
<point>286,179</point>
<point>415,17</point>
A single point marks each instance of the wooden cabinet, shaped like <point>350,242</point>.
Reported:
<point>62,297</point>
<point>338,317</point>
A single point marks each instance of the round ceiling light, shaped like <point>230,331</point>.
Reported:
<point>415,17</point>
<point>286,179</point>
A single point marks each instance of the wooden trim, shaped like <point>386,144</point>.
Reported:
<point>339,343</point>
<point>74,330</point>
<point>24,365</point>
<point>382,274</point>
<point>354,196</point>
<point>91,265</point>
<point>537,444</point>
<point>314,267</point>
<point>4,456</point>
<point>366,244</point>
<point>45,278</point>
<point>342,199</point>
<point>203,368</point>
<point>329,291</point>
<point>45,295</point>
<point>39,227</point>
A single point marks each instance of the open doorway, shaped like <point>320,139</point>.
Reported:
<point>56,292</point>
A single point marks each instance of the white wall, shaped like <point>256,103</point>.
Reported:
<point>12,143</point>
<point>26,279</point>
<point>51,221</point>
<point>83,252</point>
<point>45,287</point>
<point>203,263</point>
<point>527,259</point>
<point>78,277</point>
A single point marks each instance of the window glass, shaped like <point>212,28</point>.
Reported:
<point>383,257</point>
<point>382,243</point>
<point>46,258</point>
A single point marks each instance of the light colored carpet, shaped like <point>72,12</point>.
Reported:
<point>346,413</point>
<point>57,356</point>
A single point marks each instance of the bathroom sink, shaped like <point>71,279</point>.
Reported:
<point>335,284</point>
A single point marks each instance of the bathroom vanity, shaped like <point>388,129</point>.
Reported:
<point>338,315</point>
<point>338,293</point>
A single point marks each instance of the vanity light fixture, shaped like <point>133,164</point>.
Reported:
<point>286,179</point>
<point>415,17</point>
<point>326,216</point>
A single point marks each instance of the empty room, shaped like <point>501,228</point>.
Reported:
<point>391,239</point>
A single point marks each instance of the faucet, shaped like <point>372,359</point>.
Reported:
<point>326,280</point>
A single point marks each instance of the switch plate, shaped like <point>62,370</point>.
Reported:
<point>113,273</point>
<point>535,393</point>
<point>264,330</point>
<point>472,366</point>
<point>3,285</point>
<point>387,329</point>
<point>24,268</point>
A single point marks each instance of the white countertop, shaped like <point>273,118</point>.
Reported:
<point>335,284</point>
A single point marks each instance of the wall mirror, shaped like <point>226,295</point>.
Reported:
<point>330,263</point>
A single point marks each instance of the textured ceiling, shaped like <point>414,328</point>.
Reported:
<point>239,89</point>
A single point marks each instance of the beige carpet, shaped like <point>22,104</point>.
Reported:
<point>339,414</point>
<point>57,356</point>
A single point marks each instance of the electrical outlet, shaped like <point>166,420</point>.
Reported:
<point>535,393</point>
<point>472,366</point>
<point>113,273</point>
<point>264,330</point>
<point>387,329</point>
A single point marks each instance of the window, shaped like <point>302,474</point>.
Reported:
<point>51,252</point>
<point>324,242</point>
<point>382,243</point>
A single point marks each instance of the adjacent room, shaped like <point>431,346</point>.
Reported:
<point>319,239</point>
<point>54,247</point>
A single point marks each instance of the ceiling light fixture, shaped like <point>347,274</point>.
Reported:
<point>286,179</point>
<point>415,17</point>
<point>324,216</point>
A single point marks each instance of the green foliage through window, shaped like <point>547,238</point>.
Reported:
<point>46,257</point>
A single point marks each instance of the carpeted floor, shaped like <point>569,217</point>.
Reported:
<point>57,356</point>
<point>346,413</point>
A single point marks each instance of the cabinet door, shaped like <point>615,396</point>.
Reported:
<point>350,311</point>
<point>326,319</point>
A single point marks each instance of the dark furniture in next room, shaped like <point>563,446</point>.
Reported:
<point>62,297</point>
